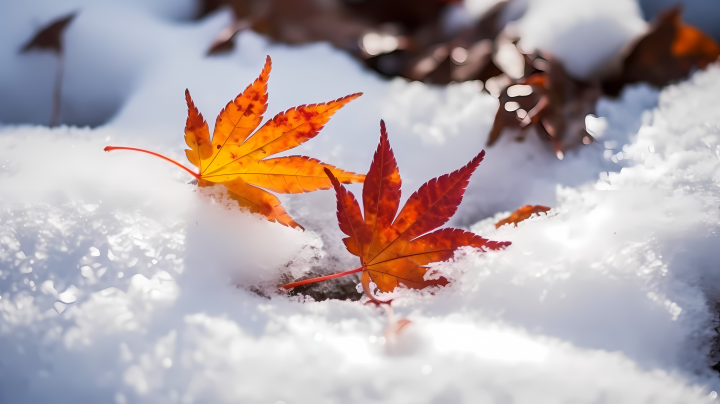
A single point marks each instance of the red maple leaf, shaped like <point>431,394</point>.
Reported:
<point>394,248</point>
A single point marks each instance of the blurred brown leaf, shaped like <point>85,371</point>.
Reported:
<point>552,103</point>
<point>409,38</point>
<point>430,53</point>
<point>556,104</point>
<point>394,37</point>
<point>290,21</point>
<point>225,41</point>
<point>49,37</point>
<point>667,53</point>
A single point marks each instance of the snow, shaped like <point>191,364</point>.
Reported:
<point>586,36</point>
<point>120,282</point>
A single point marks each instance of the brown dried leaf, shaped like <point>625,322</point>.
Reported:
<point>667,53</point>
<point>555,105</point>
<point>49,37</point>
<point>521,214</point>
<point>225,41</point>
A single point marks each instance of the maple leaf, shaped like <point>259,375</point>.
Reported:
<point>521,214</point>
<point>396,248</point>
<point>239,161</point>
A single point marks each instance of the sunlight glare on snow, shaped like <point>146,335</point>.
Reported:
<point>486,344</point>
<point>354,348</point>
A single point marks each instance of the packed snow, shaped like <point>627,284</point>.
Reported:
<point>120,282</point>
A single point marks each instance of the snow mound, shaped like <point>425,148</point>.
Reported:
<point>586,36</point>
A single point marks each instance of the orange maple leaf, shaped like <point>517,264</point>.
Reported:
<point>396,250</point>
<point>521,214</point>
<point>238,160</point>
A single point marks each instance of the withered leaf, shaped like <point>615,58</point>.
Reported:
<point>521,214</point>
<point>50,36</point>
<point>667,53</point>
<point>558,104</point>
<point>551,102</point>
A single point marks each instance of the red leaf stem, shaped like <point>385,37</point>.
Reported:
<point>111,148</point>
<point>322,278</point>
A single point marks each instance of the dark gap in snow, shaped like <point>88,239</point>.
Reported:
<point>338,289</point>
<point>715,340</point>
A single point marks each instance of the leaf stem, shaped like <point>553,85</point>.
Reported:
<point>57,93</point>
<point>111,148</point>
<point>322,278</point>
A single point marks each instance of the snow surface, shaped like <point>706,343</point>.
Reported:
<point>122,283</point>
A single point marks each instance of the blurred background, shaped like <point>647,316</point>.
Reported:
<point>449,77</point>
<point>77,62</point>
